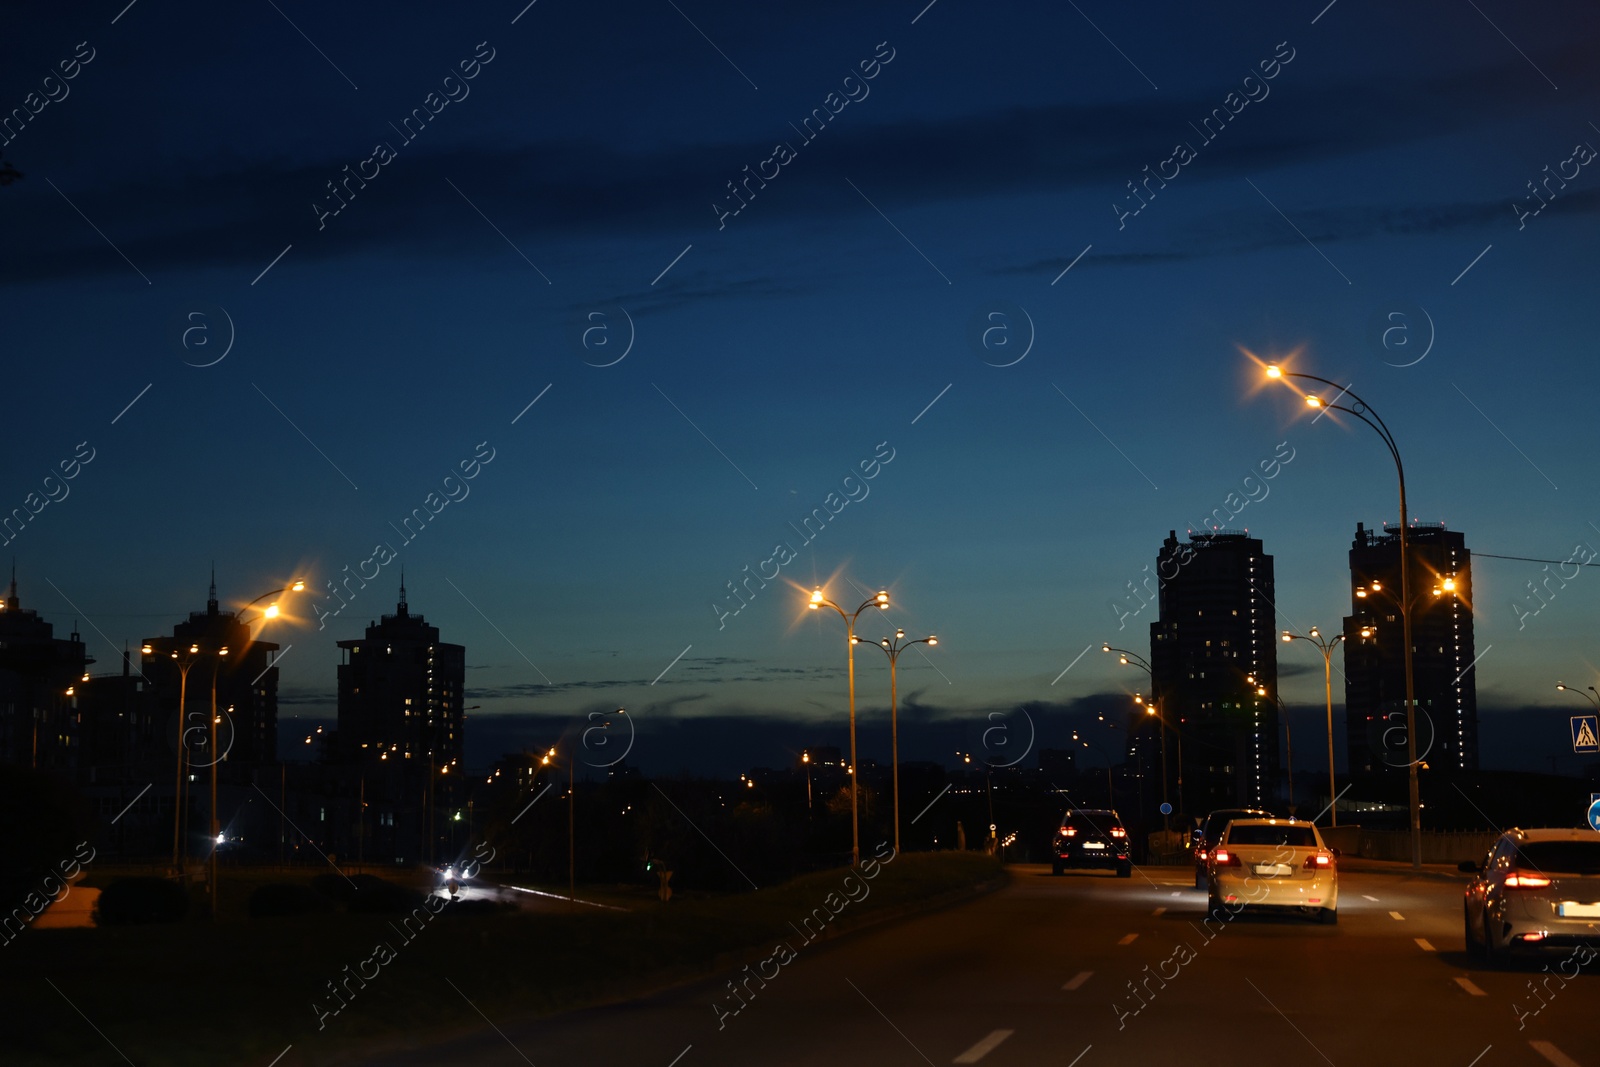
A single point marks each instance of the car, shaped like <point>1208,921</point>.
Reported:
<point>1206,836</point>
<point>1273,864</point>
<point>1089,837</point>
<point>1537,892</point>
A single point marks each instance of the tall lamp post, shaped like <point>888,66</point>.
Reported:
<point>1565,688</point>
<point>268,612</point>
<point>892,649</point>
<point>1124,656</point>
<point>1361,410</point>
<point>184,662</point>
<point>1151,707</point>
<point>881,602</point>
<point>1326,647</point>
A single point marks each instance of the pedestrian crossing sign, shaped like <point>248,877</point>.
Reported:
<point>1586,733</point>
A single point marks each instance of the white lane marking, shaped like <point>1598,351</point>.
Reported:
<point>984,1047</point>
<point>1365,897</point>
<point>1471,987</point>
<point>1130,939</point>
<point>1553,1054</point>
<point>1078,980</point>
<point>1177,894</point>
<point>1396,915</point>
<point>1158,911</point>
<point>1423,944</point>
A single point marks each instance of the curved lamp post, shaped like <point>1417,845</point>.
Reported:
<point>1362,410</point>
<point>892,649</point>
<point>1124,656</point>
<point>1565,688</point>
<point>881,602</point>
<point>1326,647</point>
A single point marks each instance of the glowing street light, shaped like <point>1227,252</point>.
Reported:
<point>881,602</point>
<point>1326,647</point>
<point>1363,411</point>
<point>892,649</point>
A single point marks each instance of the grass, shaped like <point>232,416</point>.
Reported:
<point>240,990</point>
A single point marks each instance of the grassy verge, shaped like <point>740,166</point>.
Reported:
<point>240,990</point>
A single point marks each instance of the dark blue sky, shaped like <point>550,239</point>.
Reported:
<point>566,205</point>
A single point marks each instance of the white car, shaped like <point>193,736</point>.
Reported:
<point>1272,864</point>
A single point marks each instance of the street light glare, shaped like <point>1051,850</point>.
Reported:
<point>1314,401</point>
<point>1274,371</point>
<point>1287,637</point>
<point>271,611</point>
<point>298,586</point>
<point>932,640</point>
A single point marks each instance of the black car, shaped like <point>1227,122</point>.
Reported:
<point>1206,836</point>
<point>1091,838</point>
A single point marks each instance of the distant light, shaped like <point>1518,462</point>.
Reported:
<point>1312,400</point>
<point>1274,371</point>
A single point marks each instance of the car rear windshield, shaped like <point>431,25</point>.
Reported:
<point>1293,836</point>
<point>1099,820</point>
<point>1568,857</point>
<point>1218,821</point>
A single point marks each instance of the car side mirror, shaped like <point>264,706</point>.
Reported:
<point>1469,867</point>
<point>1336,852</point>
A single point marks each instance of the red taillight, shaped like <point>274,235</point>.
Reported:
<point>1200,854</point>
<point>1223,858</point>
<point>1322,861</point>
<point>1069,831</point>
<point>1117,831</point>
<point>1526,881</point>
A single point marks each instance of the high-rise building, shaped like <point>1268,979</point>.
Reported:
<point>400,692</point>
<point>1443,671</point>
<point>39,673</point>
<point>1215,632</point>
<point>246,683</point>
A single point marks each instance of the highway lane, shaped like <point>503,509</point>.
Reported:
<point>1090,969</point>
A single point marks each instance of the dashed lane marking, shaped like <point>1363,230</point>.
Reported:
<point>984,1047</point>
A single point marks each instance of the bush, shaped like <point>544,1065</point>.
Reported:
<point>130,901</point>
<point>280,898</point>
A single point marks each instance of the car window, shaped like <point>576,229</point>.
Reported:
<point>1501,856</point>
<point>1090,819</point>
<point>1565,857</point>
<point>1293,836</point>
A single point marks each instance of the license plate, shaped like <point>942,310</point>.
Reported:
<point>1093,844</point>
<point>1571,909</point>
<point>1272,869</point>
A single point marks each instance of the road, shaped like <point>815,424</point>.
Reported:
<point>1045,970</point>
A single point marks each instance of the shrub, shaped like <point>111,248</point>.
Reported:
<point>280,898</point>
<point>130,901</point>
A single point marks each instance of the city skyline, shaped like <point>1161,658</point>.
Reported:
<point>669,354</point>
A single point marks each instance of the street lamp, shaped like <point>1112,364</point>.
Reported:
<point>1595,700</point>
<point>572,824</point>
<point>881,602</point>
<point>1124,656</point>
<point>892,649</point>
<point>1152,707</point>
<point>1326,646</point>
<point>1361,410</point>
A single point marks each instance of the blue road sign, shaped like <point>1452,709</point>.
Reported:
<point>1166,809</point>
<point>1586,733</point>
<point>1594,815</point>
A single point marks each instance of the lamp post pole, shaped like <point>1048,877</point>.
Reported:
<point>1361,410</point>
<point>1326,647</point>
<point>892,649</point>
<point>880,601</point>
<point>1124,656</point>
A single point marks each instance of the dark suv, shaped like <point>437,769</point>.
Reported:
<point>1091,838</point>
<point>1205,838</point>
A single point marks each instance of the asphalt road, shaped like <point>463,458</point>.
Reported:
<point>1045,971</point>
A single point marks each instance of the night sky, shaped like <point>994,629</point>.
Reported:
<point>988,284</point>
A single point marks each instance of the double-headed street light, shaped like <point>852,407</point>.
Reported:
<point>1362,410</point>
<point>892,649</point>
<point>1326,646</point>
<point>1124,656</point>
<point>1595,700</point>
<point>881,602</point>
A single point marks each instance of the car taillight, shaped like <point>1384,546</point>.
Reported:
<point>1223,858</point>
<point>1069,831</point>
<point>1526,881</point>
<point>1320,862</point>
<point>1200,854</point>
<point>1117,831</point>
